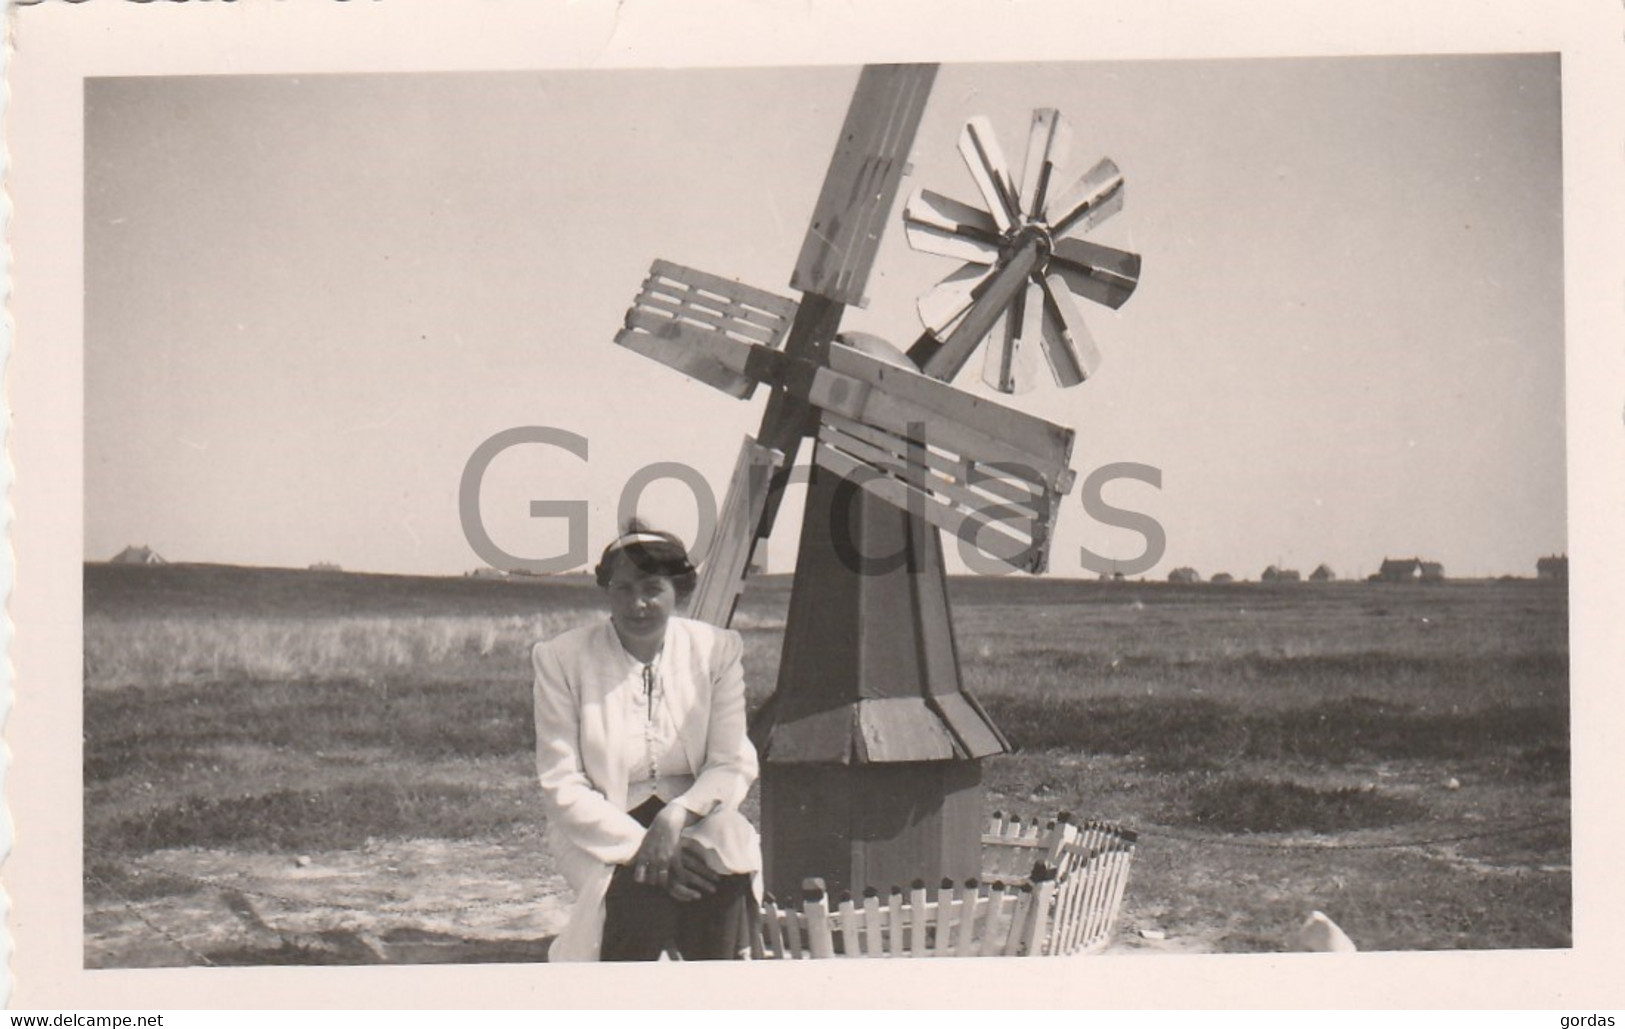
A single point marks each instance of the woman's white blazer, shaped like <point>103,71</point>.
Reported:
<point>584,754</point>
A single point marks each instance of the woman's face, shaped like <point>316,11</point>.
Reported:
<point>640,604</point>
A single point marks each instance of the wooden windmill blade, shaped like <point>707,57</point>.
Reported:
<point>1005,328</point>
<point>946,302</point>
<point>988,474</point>
<point>1049,143</point>
<point>1100,273</point>
<point>727,562</point>
<point>1096,196</point>
<point>990,171</point>
<point>1069,362</point>
<point>861,388</point>
<point>704,325</point>
<point>1072,348</point>
<point>905,402</point>
<point>1002,510</point>
<point>996,477</point>
<point>999,363</point>
<point>1011,368</point>
<point>844,235</point>
<point>935,224</point>
<point>715,330</point>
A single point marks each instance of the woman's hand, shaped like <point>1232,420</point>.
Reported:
<point>693,878</point>
<point>659,860</point>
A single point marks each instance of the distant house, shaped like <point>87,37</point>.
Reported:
<point>1274,574</point>
<point>1553,569</point>
<point>1222,578</point>
<point>1398,570</point>
<point>1409,569</point>
<point>1322,574</point>
<point>1184,575</point>
<point>137,556</point>
<point>325,566</point>
<point>487,572</point>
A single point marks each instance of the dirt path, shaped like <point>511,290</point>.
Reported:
<point>411,901</point>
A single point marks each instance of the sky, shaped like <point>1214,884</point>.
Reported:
<point>310,299</point>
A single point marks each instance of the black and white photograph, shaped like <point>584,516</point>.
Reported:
<point>1093,514</point>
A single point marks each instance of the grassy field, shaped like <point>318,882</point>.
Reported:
<point>306,766</point>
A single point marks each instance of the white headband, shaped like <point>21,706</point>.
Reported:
<point>637,537</point>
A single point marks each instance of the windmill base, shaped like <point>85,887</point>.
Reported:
<point>870,824</point>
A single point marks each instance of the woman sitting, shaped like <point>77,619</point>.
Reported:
<point>643,760</point>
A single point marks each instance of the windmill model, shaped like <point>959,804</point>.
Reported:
<point>871,750</point>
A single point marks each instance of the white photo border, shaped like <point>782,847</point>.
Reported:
<point>57,45</point>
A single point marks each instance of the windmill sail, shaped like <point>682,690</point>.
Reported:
<point>1098,273</point>
<point>935,224</point>
<point>991,475</point>
<point>989,170</point>
<point>948,301</point>
<point>1010,368</point>
<point>1096,196</point>
<point>1070,348</point>
<point>862,181</point>
<point>1021,296</point>
<point>722,575</point>
<point>689,320</point>
<point>1048,144</point>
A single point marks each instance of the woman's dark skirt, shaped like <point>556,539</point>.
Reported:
<point>643,922</point>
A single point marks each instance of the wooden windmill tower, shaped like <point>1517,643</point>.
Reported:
<point>871,749</point>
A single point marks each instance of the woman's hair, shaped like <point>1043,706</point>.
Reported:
<point>651,552</point>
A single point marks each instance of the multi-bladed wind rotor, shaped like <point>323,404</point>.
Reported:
<point>1023,260</point>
